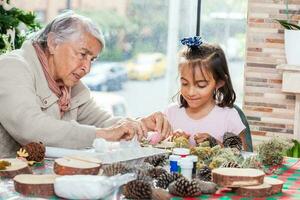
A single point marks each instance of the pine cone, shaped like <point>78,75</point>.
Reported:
<point>207,187</point>
<point>157,160</point>
<point>156,172</point>
<point>114,169</point>
<point>212,141</point>
<point>164,180</point>
<point>141,174</point>
<point>232,141</point>
<point>184,188</point>
<point>137,189</point>
<point>231,165</point>
<point>204,174</point>
<point>33,151</point>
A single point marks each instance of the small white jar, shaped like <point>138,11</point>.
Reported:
<point>186,166</point>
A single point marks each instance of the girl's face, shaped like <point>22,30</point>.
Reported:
<point>197,88</point>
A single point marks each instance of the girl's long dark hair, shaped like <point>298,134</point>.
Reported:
<point>212,58</point>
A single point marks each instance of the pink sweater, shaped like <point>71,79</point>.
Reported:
<point>216,123</point>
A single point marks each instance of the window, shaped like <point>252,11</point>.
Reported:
<point>226,25</point>
<point>142,41</point>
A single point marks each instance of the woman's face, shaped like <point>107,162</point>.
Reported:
<point>71,60</point>
<point>197,89</point>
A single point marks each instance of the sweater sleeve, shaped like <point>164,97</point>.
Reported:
<point>235,124</point>
<point>22,117</point>
<point>90,113</point>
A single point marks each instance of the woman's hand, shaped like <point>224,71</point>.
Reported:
<point>201,137</point>
<point>157,122</point>
<point>125,129</point>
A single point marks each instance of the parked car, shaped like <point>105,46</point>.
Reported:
<point>147,66</point>
<point>115,104</point>
<point>106,77</point>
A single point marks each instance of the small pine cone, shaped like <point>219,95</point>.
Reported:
<point>232,141</point>
<point>36,151</point>
<point>155,172</point>
<point>137,189</point>
<point>204,174</point>
<point>231,165</point>
<point>207,187</point>
<point>184,188</point>
<point>164,180</point>
<point>114,169</point>
<point>212,141</point>
<point>141,174</point>
<point>157,160</point>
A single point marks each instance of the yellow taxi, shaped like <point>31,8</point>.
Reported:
<point>147,66</point>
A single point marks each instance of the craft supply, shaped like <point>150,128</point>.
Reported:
<point>237,177</point>
<point>35,185</point>
<point>174,168</point>
<point>182,152</point>
<point>194,159</point>
<point>186,167</point>
<point>71,166</point>
<point>14,167</point>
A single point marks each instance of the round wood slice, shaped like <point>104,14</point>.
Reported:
<point>35,185</point>
<point>237,177</point>
<point>262,190</point>
<point>69,166</point>
<point>275,183</point>
<point>17,167</point>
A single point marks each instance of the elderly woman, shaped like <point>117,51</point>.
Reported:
<point>43,99</point>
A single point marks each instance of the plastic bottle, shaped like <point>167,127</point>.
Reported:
<point>174,167</point>
<point>194,159</point>
<point>182,152</point>
<point>186,167</point>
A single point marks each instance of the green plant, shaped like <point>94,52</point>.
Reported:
<point>19,23</point>
<point>294,151</point>
<point>286,23</point>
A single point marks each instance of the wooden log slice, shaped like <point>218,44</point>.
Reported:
<point>275,183</point>
<point>17,167</point>
<point>237,177</point>
<point>262,190</point>
<point>35,185</point>
<point>69,166</point>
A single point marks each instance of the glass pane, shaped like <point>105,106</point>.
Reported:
<point>138,63</point>
<point>224,22</point>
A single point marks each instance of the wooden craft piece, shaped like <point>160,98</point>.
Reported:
<point>237,177</point>
<point>262,190</point>
<point>275,183</point>
<point>16,167</point>
<point>35,185</point>
<point>70,166</point>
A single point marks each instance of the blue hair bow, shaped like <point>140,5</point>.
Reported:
<point>192,41</point>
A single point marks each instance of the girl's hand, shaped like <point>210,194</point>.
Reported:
<point>201,137</point>
<point>179,133</point>
<point>157,122</point>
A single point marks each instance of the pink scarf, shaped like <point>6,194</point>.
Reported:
<point>62,92</point>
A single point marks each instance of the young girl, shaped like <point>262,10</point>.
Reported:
<point>206,95</point>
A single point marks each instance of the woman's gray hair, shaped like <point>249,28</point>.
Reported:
<point>67,25</point>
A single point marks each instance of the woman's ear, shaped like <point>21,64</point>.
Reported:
<point>51,43</point>
<point>220,84</point>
